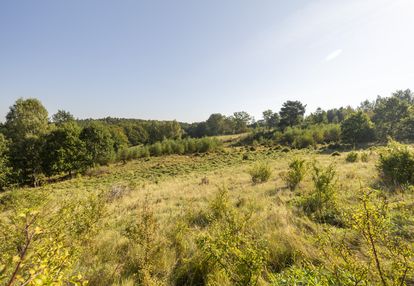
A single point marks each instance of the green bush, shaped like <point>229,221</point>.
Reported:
<point>320,204</point>
<point>295,173</point>
<point>304,140</point>
<point>332,133</point>
<point>352,157</point>
<point>231,245</point>
<point>396,164</point>
<point>364,157</point>
<point>260,173</point>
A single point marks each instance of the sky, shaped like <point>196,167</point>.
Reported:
<point>186,59</point>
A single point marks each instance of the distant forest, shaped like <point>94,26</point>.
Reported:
<point>34,147</point>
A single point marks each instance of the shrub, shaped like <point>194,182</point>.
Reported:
<point>357,128</point>
<point>295,173</point>
<point>260,173</point>
<point>332,133</point>
<point>231,245</point>
<point>124,155</point>
<point>396,164</point>
<point>320,204</point>
<point>352,157</point>
<point>156,149</point>
<point>317,134</point>
<point>304,140</point>
<point>364,157</point>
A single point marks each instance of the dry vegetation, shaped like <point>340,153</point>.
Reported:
<point>199,220</point>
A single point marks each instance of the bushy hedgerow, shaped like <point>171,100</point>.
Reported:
<point>169,147</point>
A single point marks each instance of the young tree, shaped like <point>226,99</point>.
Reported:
<point>357,128</point>
<point>291,113</point>
<point>26,124</point>
<point>98,142</point>
<point>63,151</point>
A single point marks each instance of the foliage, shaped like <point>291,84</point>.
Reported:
<point>63,151</point>
<point>291,113</point>
<point>389,111</point>
<point>27,118</point>
<point>320,204</point>
<point>352,157</point>
<point>98,142</point>
<point>271,119</point>
<point>118,137</point>
<point>231,245</point>
<point>169,147</point>
<point>396,164</point>
<point>26,123</point>
<point>41,247</point>
<point>5,169</point>
<point>371,221</point>
<point>260,173</point>
<point>307,275</point>
<point>241,120</point>
<point>357,128</point>
<point>145,250</point>
<point>62,116</point>
<point>295,173</point>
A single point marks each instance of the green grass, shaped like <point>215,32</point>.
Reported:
<point>159,222</point>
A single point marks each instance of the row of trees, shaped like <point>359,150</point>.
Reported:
<point>371,121</point>
<point>138,132</point>
<point>31,145</point>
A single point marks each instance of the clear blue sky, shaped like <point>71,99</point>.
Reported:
<point>187,59</point>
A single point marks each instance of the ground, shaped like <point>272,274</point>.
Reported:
<point>179,189</point>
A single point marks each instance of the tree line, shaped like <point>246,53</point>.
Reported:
<point>33,146</point>
<point>371,121</point>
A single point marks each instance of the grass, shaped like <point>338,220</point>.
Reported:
<point>180,209</point>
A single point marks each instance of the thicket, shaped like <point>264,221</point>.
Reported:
<point>169,147</point>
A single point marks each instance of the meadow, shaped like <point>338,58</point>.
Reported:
<point>200,220</point>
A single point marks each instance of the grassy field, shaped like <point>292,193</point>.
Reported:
<point>199,220</point>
